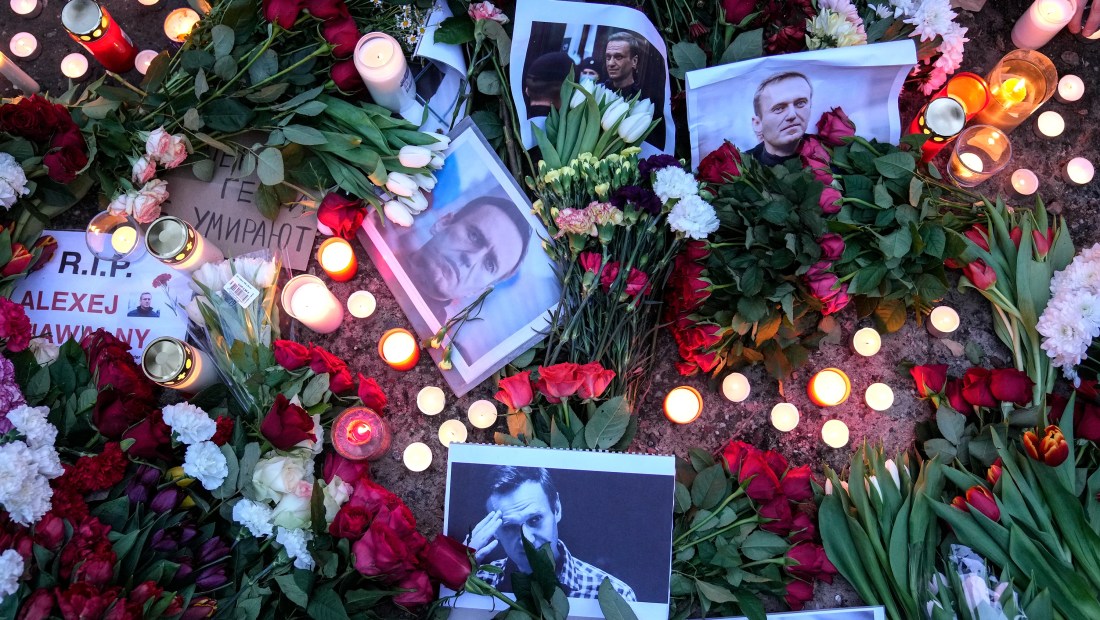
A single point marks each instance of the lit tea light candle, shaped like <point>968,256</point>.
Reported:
<point>879,396</point>
<point>398,348</point>
<point>74,66</point>
<point>1042,20</point>
<point>431,400</point>
<point>177,244</point>
<point>943,321</point>
<point>306,298</point>
<point>482,413</point>
<point>835,434</point>
<point>178,24</point>
<point>1070,89</point>
<point>25,46</point>
<point>338,259</point>
<point>829,388</point>
<point>784,417</point>
<point>17,76</point>
<point>866,341</point>
<point>360,434</point>
<point>26,8</point>
<point>148,2</point>
<point>1025,182</point>
<point>735,387</point>
<point>174,364</point>
<point>381,63</point>
<point>1050,124</point>
<point>1020,83</point>
<point>143,60</point>
<point>361,304</point>
<point>1079,170</point>
<point>123,239</point>
<point>683,404</point>
<point>452,431</point>
<point>417,456</point>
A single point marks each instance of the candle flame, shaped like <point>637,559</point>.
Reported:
<point>359,433</point>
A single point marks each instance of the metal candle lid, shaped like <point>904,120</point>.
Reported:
<point>170,239</point>
<point>166,360</point>
<point>84,18</point>
<point>944,116</point>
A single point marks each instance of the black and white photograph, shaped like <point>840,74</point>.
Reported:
<point>765,106</point>
<point>616,47</point>
<point>499,495</point>
<point>847,613</point>
<point>477,233</point>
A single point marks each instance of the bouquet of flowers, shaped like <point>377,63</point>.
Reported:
<point>1070,323</point>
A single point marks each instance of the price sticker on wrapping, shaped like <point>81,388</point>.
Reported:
<point>241,291</point>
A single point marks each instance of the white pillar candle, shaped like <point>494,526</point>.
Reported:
<point>307,299</point>
<point>1050,124</point>
<point>866,341</point>
<point>431,400</point>
<point>784,417</point>
<point>452,431</point>
<point>143,60</point>
<point>835,434</point>
<point>1070,89</point>
<point>417,456</point>
<point>1042,20</point>
<point>361,304</point>
<point>1025,182</point>
<point>482,413</point>
<point>17,76</point>
<point>26,8</point>
<point>23,45</point>
<point>1079,170</point>
<point>879,396</point>
<point>943,321</point>
<point>177,244</point>
<point>381,63</point>
<point>74,66</point>
<point>178,24</point>
<point>735,387</point>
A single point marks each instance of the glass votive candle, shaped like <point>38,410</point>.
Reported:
<point>452,431</point>
<point>417,456</point>
<point>337,259</point>
<point>482,413</point>
<point>829,388</point>
<point>115,237</point>
<point>735,387</point>
<point>1025,182</point>
<point>835,433</point>
<point>1079,170</point>
<point>26,8</point>
<point>306,298</point>
<point>784,417</point>
<point>942,321</point>
<point>360,434</point>
<point>1050,124</point>
<point>24,45</point>
<point>361,304</point>
<point>683,404</point>
<point>178,24</point>
<point>1070,89</point>
<point>431,400</point>
<point>177,244</point>
<point>980,152</point>
<point>1021,82</point>
<point>143,60</point>
<point>75,66</point>
<point>879,396</point>
<point>399,349</point>
<point>172,363</point>
<point>866,341</point>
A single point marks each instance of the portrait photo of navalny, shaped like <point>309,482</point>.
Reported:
<point>477,234</point>
<point>544,497</point>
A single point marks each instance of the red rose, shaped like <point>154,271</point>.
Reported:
<point>82,600</point>
<point>762,481</point>
<point>341,382</point>
<point>834,126</point>
<point>594,380</point>
<point>346,76</point>
<point>420,590</point>
<point>287,424</point>
<point>981,499</point>
<point>448,561</point>
<point>802,528</point>
<point>321,361</point>
<point>1010,385</point>
<point>778,513</point>
<point>19,262</point>
<point>282,12</point>
<point>371,393</point>
<point>38,606</point>
<point>798,592</point>
<point>382,552</point>
<point>326,9</point>
<point>981,275</point>
<point>980,236</point>
<point>735,453</point>
<point>34,118</point>
<point>559,381</point>
<point>515,391</point>
<point>349,471</point>
<point>115,411</point>
<point>15,326</point>
<point>372,497</point>
<point>930,379</point>
<point>954,391</point>
<point>976,388</point>
<point>1086,422</point>
<point>67,157</point>
<point>832,246</point>
<point>796,484</point>
<point>788,39</point>
<point>124,376</point>
<point>47,247</point>
<point>343,34</point>
<point>223,430</point>
<point>400,519</point>
<point>342,214</point>
<point>830,200</point>
<point>50,531</point>
<point>823,286</point>
<point>152,438</point>
<point>97,570</point>
<point>721,164</point>
<point>814,154</point>
<point>777,462</point>
<point>290,354</point>
<point>811,563</point>
<point>350,522</point>
<point>737,10</point>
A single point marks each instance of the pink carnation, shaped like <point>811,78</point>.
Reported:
<point>575,222</point>
<point>15,326</point>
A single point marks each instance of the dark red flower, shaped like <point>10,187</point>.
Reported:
<point>976,388</point>
<point>830,200</point>
<point>223,430</point>
<point>82,600</point>
<point>778,513</point>
<point>1010,385</point>
<point>342,214</point>
<point>47,246</point>
<point>321,361</point>
<point>735,453</point>
<point>347,470</point>
<point>371,393</point>
<point>448,561</point>
<point>559,381</point>
<point>812,563</point>
<point>787,40</point>
<point>802,528</point>
<point>343,34</point>
<point>930,378</point>
<point>955,396</point>
<point>282,12</point>
<point>34,118</point>
<point>993,474</point>
<point>287,424</point>
<point>980,274</point>
<point>697,29</point>
<point>762,482</point>
<point>152,438</point>
<point>341,382</point>
<point>115,411</point>
<point>49,532</point>
<point>346,76</point>
<point>382,551</point>
<point>721,164</point>
<point>796,484</point>
<point>981,499</point>
<point>100,472</point>
<point>291,355</point>
<point>326,9</point>
<point>1042,242</point>
<point>68,156</point>
<point>737,10</point>
<point>832,246</point>
<point>834,126</point>
<point>38,606</point>
<point>420,590</point>
<point>798,593</point>
<point>15,326</point>
<point>97,569</point>
<point>1086,422</point>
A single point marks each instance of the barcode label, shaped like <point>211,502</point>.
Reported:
<point>240,290</point>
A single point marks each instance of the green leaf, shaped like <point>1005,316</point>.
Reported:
<point>315,390</point>
<point>222,36</point>
<point>713,593</point>
<point>203,170</point>
<point>229,487</point>
<point>192,120</point>
<point>191,60</point>
<point>289,585</point>
<point>311,108</point>
<point>270,166</point>
<point>612,604</point>
<point>950,423</point>
<point>896,165</point>
<point>265,66</point>
<point>306,136</point>
<point>225,68</point>
<point>897,243</point>
<point>247,467</point>
<point>227,115</point>
<point>201,86</point>
<point>747,45</point>
<point>458,30</point>
<point>326,605</point>
<point>688,56</point>
<point>761,545</point>
<point>890,315</point>
<point>608,424</point>
<point>710,487</point>
<point>488,83</point>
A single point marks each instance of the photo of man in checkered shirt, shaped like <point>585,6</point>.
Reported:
<point>524,503</point>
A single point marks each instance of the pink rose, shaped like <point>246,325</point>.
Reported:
<point>158,144</point>
<point>123,203</point>
<point>834,126</point>
<point>178,149</point>
<point>144,169</point>
<point>485,10</point>
<point>830,200</point>
<point>147,203</point>
<point>832,246</point>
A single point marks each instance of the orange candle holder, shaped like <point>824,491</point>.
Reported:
<point>829,388</point>
<point>399,349</point>
<point>969,89</point>
<point>360,434</point>
<point>337,259</point>
<point>683,405</point>
<point>1019,85</point>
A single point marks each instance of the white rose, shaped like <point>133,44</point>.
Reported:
<point>412,156</point>
<point>158,144</point>
<point>205,462</point>
<point>336,494</point>
<point>123,204</point>
<point>277,475</point>
<point>292,511</point>
<point>45,352</point>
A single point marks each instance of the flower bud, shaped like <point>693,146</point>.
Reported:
<point>441,143</point>
<point>631,129</point>
<point>414,156</point>
<point>415,203</point>
<point>425,181</point>
<point>613,114</point>
<point>398,213</point>
<point>401,184</point>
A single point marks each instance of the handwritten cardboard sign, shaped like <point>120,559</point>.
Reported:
<point>76,293</point>
<point>224,211</point>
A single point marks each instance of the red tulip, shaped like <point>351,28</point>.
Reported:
<point>979,235</point>
<point>930,379</point>
<point>1042,242</point>
<point>981,499</point>
<point>993,474</point>
<point>980,274</point>
<point>1051,448</point>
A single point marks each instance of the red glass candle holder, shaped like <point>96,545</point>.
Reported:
<point>360,434</point>
<point>90,25</point>
<point>948,111</point>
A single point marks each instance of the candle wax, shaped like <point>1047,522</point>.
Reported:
<point>1025,182</point>
<point>784,417</point>
<point>417,456</point>
<point>361,304</point>
<point>735,387</point>
<point>431,400</point>
<point>74,66</point>
<point>143,60</point>
<point>376,53</point>
<point>24,45</point>
<point>398,348</point>
<point>835,433</point>
<point>337,259</point>
<point>26,8</point>
<point>1080,170</point>
<point>305,302</point>
<point>867,341</point>
<point>972,162</point>
<point>179,23</point>
<point>482,413</point>
<point>123,239</point>
<point>359,433</point>
<point>1070,88</point>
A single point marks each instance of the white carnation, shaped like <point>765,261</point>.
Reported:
<point>694,217</point>
<point>254,516</point>
<point>296,543</point>
<point>31,423</point>
<point>30,502</point>
<point>13,181</point>
<point>673,182</point>
<point>206,463</point>
<point>16,463</point>
<point>47,461</point>
<point>11,569</point>
<point>190,424</point>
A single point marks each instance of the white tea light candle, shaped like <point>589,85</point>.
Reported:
<point>683,404</point>
<point>306,298</point>
<point>1050,124</point>
<point>735,387</point>
<point>1070,89</point>
<point>123,239</point>
<point>784,417</point>
<point>143,60</point>
<point>879,396</point>
<point>835,434</point>
<point>1025,182</point>
<point>148,2</point>
<point>417,456</point>
<point>24,45</point>
<point>943,321</point>
<point>74,66</point>
<point>1079,170</point>
<point>482,413</point>
<point>361,304</point>
<point>26,8</point>
<point>431,400</point>
<point>452,431</point>
<point>866,341</point>
<point>178,24</point>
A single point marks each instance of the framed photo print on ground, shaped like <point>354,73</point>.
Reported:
<point>604,515</point>
<point>478,233</point>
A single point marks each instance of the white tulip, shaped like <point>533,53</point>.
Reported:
<point>437,162</point>
<point>874,483</point>
<point>642,106</point>
<point>398,213</point>
<point>401,184</point>
<point>425,181</point>
<point>617,111</point>
<point>585,86</point>
<point>415,203</point>
<point>414,156</point>
<point>605,95</point>
<point>893,469</point>
<point>828,487</point>
<point>441,143</point>
<point>631,129</point>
